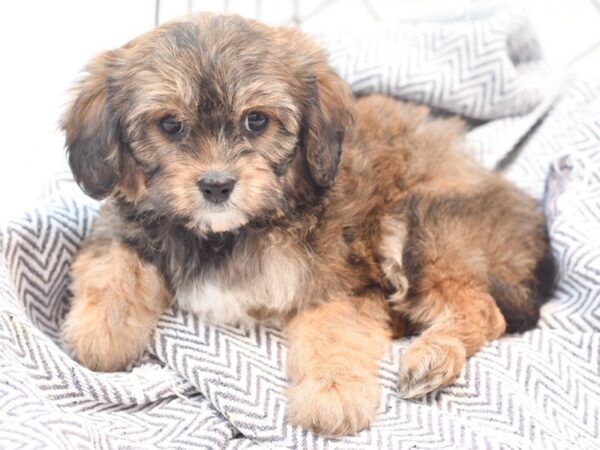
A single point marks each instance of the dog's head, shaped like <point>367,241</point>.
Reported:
<point>212,121</point>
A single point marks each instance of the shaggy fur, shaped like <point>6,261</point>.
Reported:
<point>351,220</point>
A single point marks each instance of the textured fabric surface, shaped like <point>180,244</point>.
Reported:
<point>221,387</point>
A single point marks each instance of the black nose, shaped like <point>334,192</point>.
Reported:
<point>216,189</point>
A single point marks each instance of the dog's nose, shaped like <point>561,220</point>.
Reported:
<point>216,189</point>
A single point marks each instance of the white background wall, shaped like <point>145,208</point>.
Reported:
<point>44,44</point>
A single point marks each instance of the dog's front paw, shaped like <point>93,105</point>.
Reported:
<point>117,299</point>
<point>97,346</point>
<point>100,338</point>
<point>333,408</point>
<point>429,364</point>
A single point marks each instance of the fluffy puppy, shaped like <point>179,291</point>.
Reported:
<point>244,182</point>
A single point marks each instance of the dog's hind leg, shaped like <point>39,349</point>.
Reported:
<point>117,299</point>
<point>334,350</point>
<point>461,317</point>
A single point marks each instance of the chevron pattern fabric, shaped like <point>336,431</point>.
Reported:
<point>201,386</point>
<point>476,63</point>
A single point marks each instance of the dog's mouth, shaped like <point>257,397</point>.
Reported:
<point>234,213</point>
<point>221,219</point>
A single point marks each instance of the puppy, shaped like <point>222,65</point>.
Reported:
<point>244,182</point>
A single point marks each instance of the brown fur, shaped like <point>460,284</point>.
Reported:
<point>118,301</point>
<point>350,220</point>
<point>332,365</point>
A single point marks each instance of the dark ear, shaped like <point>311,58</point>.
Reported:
<point>91,129</point>
<point>328,115</point>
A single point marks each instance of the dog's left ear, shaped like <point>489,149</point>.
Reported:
<point>328,113</point>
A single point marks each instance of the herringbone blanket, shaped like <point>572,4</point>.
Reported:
<point>220,387</point>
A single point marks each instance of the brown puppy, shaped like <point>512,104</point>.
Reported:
<point>246,183</point>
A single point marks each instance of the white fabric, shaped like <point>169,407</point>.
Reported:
<point>219,387</point>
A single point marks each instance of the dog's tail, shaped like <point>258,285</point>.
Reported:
<point>524,315</point>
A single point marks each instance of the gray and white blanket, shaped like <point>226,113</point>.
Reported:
<point>221,387</point>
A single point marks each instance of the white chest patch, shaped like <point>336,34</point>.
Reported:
<point>271,282</point>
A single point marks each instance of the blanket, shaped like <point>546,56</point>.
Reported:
<point>203,386</point>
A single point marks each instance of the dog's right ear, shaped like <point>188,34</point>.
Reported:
<point>92,129</point>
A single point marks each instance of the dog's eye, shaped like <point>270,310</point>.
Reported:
<point>255,121</point>
<point>171,126</point>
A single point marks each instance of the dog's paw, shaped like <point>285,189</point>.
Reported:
<point>117,299</point>
<point>430,364</point>
<point>101,336</point>
<point>99,346</point>
<point>107,330</point>
<point>331,408</point>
